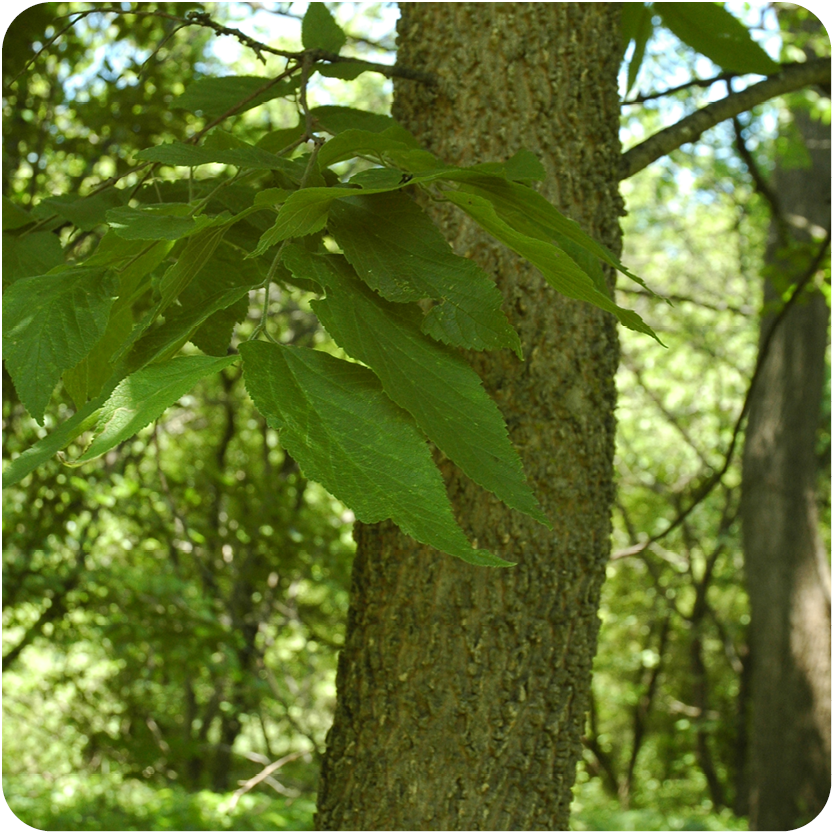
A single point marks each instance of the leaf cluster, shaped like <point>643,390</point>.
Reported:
<point>115,316</point>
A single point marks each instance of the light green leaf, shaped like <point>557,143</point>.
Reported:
<point>530,213</point>
<point>714,32</point>
<point>303,213</point>
<point>436,386</point>
<point>50,323</point>
<point>52,443</point>
<point>336,421</point>
<point>320,31</point>
<point>559,269</point>
<point>216,96</point>
<point>30,255</point>
<point>155,222</point>
<point>396,249</point>
<point>144,396</point>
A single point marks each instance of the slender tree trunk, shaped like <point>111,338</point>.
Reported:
<point>786,568</point>
<point>462,691</point>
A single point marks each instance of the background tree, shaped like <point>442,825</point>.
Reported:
<point>787,569</point>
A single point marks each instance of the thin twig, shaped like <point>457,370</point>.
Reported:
<point>792,77</point>
<point>715,478</point>
<point>695,82</point>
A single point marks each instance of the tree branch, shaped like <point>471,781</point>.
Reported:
<point>792,77</point>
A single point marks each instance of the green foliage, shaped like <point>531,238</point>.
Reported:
<point>337,422</point>
<point>111,803</point>
<point>708,28</point>
<point>713,31</point>
<point>113,319</point>
<point>52,322</point>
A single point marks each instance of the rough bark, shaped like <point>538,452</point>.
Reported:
<point>787,574</point>
<point>462,691</point>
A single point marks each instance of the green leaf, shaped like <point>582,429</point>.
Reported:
<point>52,443</point>
<point>524,166</point>
<point>345,70</point>
<point>352,142</point>
<point>396,249</point>
<point>213,336</point>
<point>304,212</point>
<point>336,119</point>
<point>180,154</point>
<point>14,216</point>
<point>86,380</point>
<point>637,25</point>
<point>320,31</point>
<point>216,96</point>
<point>337,422</point>
<point>157,222</point>
<point>30,255</point>
<point>530,213</point>
<point>196,254</point>
<point>559,269</point>
<point>50,323</point>
<point>144,396</point>
<point>86,213</point>
<point>378,178</point>
<point>224,281</point>
<point>717,34</point>
<point>436,386</point>
<point>277,140</point>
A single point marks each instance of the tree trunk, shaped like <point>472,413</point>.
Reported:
<point>462,691</point>
<point>786,569</point>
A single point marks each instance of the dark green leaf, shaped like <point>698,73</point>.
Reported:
<point>30,255</point>
<point>716,33</point>
<point>337,422</point>
<point>638,18</point>
<point>162,222</point>
<point>14,216</point>
<point>277,140</point>
<point>352,142</point>
<point>320,31</point>
<point>50,323</point>
<point>436,386</point>
<point>86,213</point>
<point>224,281</point>
<point>199,249</point>
<point>376,178</point>
<point>396,249</point>
<point>216,96</point>
<point>524,166</point>
<point>345,70</point>
<point>335,119</point>
<point>177,153</point>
